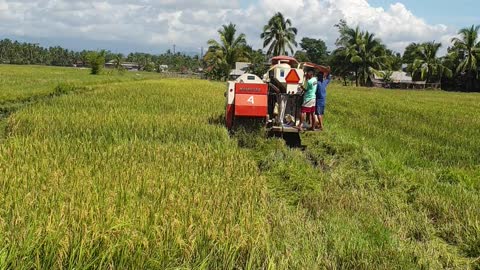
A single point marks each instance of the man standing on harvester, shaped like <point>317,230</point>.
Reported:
<point>309,101</point>
<point>323,81</point>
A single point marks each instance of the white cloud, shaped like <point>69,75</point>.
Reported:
<point>3,6</point>
<point>190,23</point>
<point>396,26</point>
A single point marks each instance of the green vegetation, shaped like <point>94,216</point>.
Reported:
<point>126,177</point>
<point>469,44</point>
<point>142,175</point>
<point>222,56</point>
<point>466,52</point>
<point>279,35</point>
<point>24,85</point>
<point>96,61</point>
<point>363,54</point>
<point>315,50</point>
<point>426,65</point>
<point>21,83</point>
<point>358,55</point>
<point>14,52</point>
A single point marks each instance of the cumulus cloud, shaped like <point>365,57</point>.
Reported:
<point>190,23</point>
<point>396,26</point>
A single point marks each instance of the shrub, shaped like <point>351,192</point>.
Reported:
<point>63,88</point>
<point>96,61</point>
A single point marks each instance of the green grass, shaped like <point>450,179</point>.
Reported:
<point>141,175</point>
<point>410,160</point>
<point>24,83</point>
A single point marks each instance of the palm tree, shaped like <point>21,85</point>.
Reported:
<point>348,36</point>
<point>362,50</point>
<point>217,66</point>
<point>371,55</point>
<point>348,46</point>
<point>341,65</point>
<point>427,66</point>
<point>468,46</point>
<point>279,35</point>
<point>410,53</point>
<point>222,55</point>
<point>118,60</point>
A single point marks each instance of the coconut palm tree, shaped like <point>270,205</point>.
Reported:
<point>468,45</point>
<point>427,66</point>
<point>348,36</point>
<point>223,54</point>
<point>118,60</point>
<point>348,46</point>
<point>279,35</point>
<point>371,56</point>
<point>410,53</point>
<point>362,50</point>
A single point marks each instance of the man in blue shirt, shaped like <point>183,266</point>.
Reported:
<point>321,95</point>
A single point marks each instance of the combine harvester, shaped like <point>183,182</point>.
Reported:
<point>277,98</point>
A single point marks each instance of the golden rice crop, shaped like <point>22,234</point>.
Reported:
<point>142,175</point>
<point>127,176</point>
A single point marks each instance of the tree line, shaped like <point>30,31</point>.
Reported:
<point>358,55</point>
<point>22,53</point>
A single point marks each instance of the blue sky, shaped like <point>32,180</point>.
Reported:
<point>155,25</point>
<point>458,13</point>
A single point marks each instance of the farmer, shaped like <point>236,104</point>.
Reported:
<point>308,106</point>
<point>321,95</point>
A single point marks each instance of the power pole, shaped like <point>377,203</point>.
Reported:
<point>174,48</point>
<point>200,59</point>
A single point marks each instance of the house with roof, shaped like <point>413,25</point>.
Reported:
<point>399,80</point>
<point>130,66</point>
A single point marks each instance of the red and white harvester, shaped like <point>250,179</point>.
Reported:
<point>276,97</point>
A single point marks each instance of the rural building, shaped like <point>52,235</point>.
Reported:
<point>126,65</point>
<point>79,64</point>
<point>399,80</point>
<point>163,68</point>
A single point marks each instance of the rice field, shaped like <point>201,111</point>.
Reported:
<point>141,174</point>
<point>26,83</point>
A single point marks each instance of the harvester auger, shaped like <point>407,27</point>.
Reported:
<point>276,98</point>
